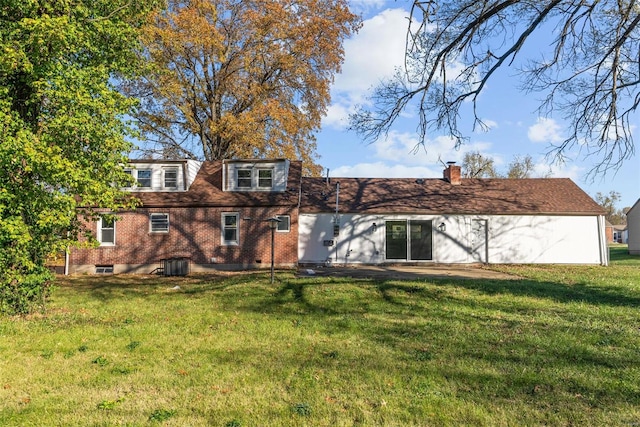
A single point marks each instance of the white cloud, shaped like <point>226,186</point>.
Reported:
<point>384,170</point>
<point>545,130</point>
<point>371,55</point>
<point>400,155</point>
<point>488,125</point>
<point>365,5</point>
<point>337,116</point>
<point>404,147</point>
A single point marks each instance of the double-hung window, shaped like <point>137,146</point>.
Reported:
<point>230,228</point>
<point>171,177</point>
<point>159,223</point>
<point>265,178</point>
<point>107,231</point>
<point>244,178</point>
<point>144,178</point>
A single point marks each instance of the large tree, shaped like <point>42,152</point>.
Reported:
<point>590,75</point>
<point>62,137</point>
<point>478,165</point>
<point>608,202</point>
<point>241,78</point>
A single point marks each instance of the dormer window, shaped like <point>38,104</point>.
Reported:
<point>258,176</point>
<point>144,178</point>
<point>244,178</point>
<point>265,178</point>
<point>171,177</point>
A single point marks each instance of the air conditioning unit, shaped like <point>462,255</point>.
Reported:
<point>176,266</point>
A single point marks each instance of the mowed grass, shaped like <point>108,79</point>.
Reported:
<point>558,346</point>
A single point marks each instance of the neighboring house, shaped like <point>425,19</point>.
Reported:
<point>620,234</point>
<point>633,227</point>
<point>609,231</point>
<point>214,214</point>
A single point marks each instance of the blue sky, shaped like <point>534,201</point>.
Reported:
<point>515,127</point>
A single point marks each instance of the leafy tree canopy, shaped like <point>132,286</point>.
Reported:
<point>62,137</point>
<point>609,202</point>
<point>241,78</point>
<point>590,75</point>
<point>477,165</point>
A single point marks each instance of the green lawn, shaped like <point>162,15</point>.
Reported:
<point>561,346</point>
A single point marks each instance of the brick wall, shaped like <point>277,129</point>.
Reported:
<point>194,233</point>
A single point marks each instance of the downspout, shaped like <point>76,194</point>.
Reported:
<point>185,182</point>
<point>602,242</point>
<point>66,261</point>
<point>337,218</point>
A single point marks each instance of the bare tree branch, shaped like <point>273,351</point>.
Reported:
<point>454,48</point>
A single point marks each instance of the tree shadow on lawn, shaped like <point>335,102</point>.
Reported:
<point>297,290</point>
<point>129,285</point>
<point>117,286</point>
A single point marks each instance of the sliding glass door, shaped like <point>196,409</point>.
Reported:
<point>409,240</point>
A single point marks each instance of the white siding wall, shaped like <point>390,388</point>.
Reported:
<point>510,239</point>
<point>157,174</point>
<point>192,168</point>
<point>280,172</point>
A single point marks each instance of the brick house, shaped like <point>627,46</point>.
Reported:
<point>214,214</point>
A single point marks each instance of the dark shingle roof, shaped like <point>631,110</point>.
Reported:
<point>536,196</point>
<point>206,191</point>
<point>436,196</point>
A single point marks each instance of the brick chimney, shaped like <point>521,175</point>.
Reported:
<point>452,173</point>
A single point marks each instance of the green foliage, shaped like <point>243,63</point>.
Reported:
<point>109,405</point>
<point>133,345</point>
<point>100,361</point>
<point>303,409</point>
<point>63,139</point>
<point>555,345</point>
<point>608,202</point>
<point>161,415</point>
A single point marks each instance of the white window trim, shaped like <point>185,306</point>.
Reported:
<point>288,222</point>
<point>151,230</point>
<point>223,228</point>
<point>99,233</point>
<point>238,178</point>
<point>137,183</point>
<point>164,176</point>
<point>257,177</point>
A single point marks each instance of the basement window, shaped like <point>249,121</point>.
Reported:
<point>104,269</point>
